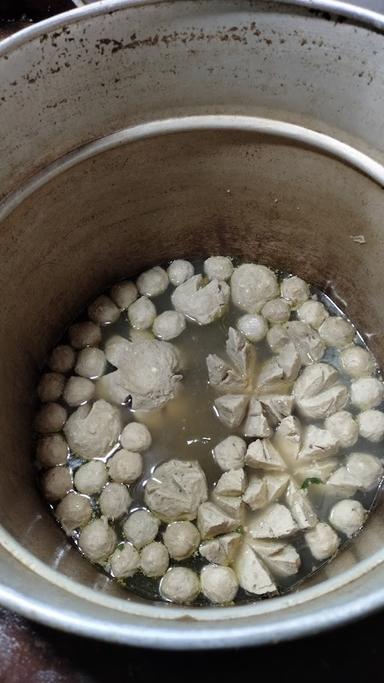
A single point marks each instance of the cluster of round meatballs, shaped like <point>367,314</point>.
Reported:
<point>293,420</point>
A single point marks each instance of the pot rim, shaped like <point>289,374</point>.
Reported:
<point>355,13</point>
<point>161,626</point>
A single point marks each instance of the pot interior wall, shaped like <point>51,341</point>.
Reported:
<point>179,195</point>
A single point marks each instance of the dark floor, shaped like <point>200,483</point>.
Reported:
<point>34,654</point>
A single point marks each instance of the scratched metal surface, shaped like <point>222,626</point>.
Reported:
<point>34,654</point>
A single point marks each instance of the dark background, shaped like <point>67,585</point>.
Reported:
<point>30,653</point>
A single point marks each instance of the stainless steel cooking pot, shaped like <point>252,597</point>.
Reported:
<point>135,132</point>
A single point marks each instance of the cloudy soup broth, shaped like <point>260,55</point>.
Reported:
<point>210,432</point>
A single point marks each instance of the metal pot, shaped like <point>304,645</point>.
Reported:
<point>135,132</point>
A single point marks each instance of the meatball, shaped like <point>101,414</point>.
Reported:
<point>252,286</point>
<point>142,313</point>
<point>357,362</point>
<point>201,302</point>
<point>253,327</point>
<point>90,363</point>
<point>230,453</point>
<point>348,516</point>
<point>154,559</point>
<point>312,313</point>
<point>218,268</point>
<point>57,482</point>
<point>74,511</point>
<point>124,294</point>
<point>84,334</point>
<point>343,427</point>
<point>92,432</point>
<point>182,539</point>
<point>141,528</point>
<point>50,387</point>
<point>152,282</point>
<point>371,425</point>
<point>365,469</point>
<point>52,450</point>
<point>91,477</point>
<point>125,466</point>
<point>219,584</point>
<point>179,271</point>
<point>136,437</point>
<point>103,311</point>
<point>62,359</point>
<point>114,500</point>
<point>322,541</point>
<point>180,585</point>
<point>337,332</point>
<point>78,390</point>
<point>276,311</point>
<point>50,418</point>
<point>294,290</point>
<point>169,325</point>
<point>367,393</point>
<point>125,561</point>
<point>97,540</point>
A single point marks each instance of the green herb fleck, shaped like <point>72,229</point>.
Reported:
<point>120,545</point>
<point>311,480</point>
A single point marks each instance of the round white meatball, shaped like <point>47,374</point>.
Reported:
<point>371,425</point>
<point>57,482</point>
<point>169,325</point>
<point>50,387</point>
<point>322,541</point>
<point>97,540</point>
<point>125,467</point>
<point>343,427</point>
<point>179,271</point>
<point>365,468</point>
<point>312,313</point>
<point>276,311</point>
<point>74,511</point>
<point>124,294</point>
<point>335,331</point>
<point>91,477</point>
<point>78,390</point>
<point>182,539</point>
<point>357,362</point>
<point>230,453</point>
<point>114,500</point>
<point>252,286</point>
<point>50,418</point>
<point>219,584</point>
<point>103,311</point>
<point>294,290</point>
<point>52,450</point>
<point>62,359</point>
<point>125,561</point>
<point>253,327</point>
<point>141,528</point>
<point>367,393</point>
<point>84,334</point>
<point>218,268</point>
<point>180,585</point>
<point>90,363</point>
<point>136,437</point>
<point>348,516</point>
<point>153,282</point>
<point>154,559</point>
<point>142,313</point>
